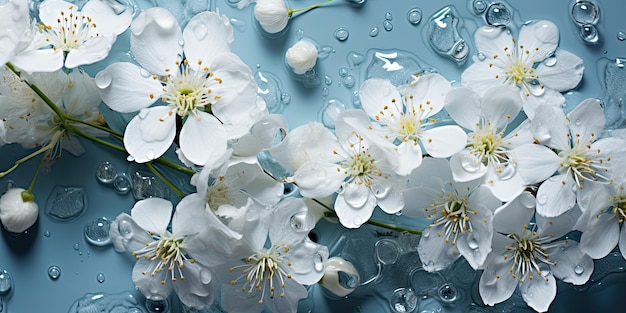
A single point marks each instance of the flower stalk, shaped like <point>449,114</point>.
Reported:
<point>291,11</point>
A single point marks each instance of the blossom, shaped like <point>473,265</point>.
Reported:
<point>207,91</point>
<point>167,260</point>
<point>461,215</point>
<point>504,159</point>
<point>17,214</point>
<point>302,56</point>
<point>273,276</point>
<point>404,115</point>
<point>530,256</point>
<point>583,159</point>
<point>66,36</point>
<point>272,15</point>
<point>13,22</point>
<point>532,63</point>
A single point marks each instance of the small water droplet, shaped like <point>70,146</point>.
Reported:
<point>106,173</point>
<point>144,73</point>
<point>328,80</point>
<point>388,16</point>
<point>374,32</point>
<point>414,16</point>
<point>527,200</point>
<point>97,231</point>
<point>157,306</point>
<point>460,50</point>
<point>121,184</point>
<point>355,59</point>
<point>76,246</point>
<point>356,197</point>
<point>46,233</point>
<point>535,87</point>
<point>579,270</point>
<point>498,14</point>
<point>470,163</point>
<point>238,24</point>
<point>356,99</point>
<point>621,36</point>
<point>403,300</point>
<point>481,56</point>
<point>448,293</point>
<point>103,79</point>
<point>325,91</point>
<point>589,33</point>
<point>387,25</point>
<point>285,97</point>
<point>331,111</point>
<point>298,221</point>
<point>479,6</point>
<point>386,251</point>
<point>54,272</point>
<point>125,229</point>
<point>100,278</point>
<point>585,13</point>
<point>472,243</point>
<point>200,30</point>
<point>343,72</point>
<point>318,262</point>
<point>342,33</point>
<point>349,81</point>
<point>551,61</point>
<point>543,199</point>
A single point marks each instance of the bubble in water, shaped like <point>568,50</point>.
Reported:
<point>589,34</point>
<point>498,14</point>
<point>349,81</point>
<point>444,37</point>
<point>403,300</point>
<point>447,293</point>
<point>154,306</point>
<point>76,247</point>
<point>97,231</point>
<point>621,36</point>
<point>479,6</point>
<point>46,233</point>
<point>100,278</point>
<point>285,97</point>
<point>341,33</point>
<point>103,302</point>
<point>106,173</point>
<point>103,79</point>
<point>414,16</point>
<point>387,25</point>
<point>328,80</point>
<point>122,184</point>
<point>66,203</point>
<point>585,13</point>
<point>470,163</point>
<point>54,272</point>
<point>147,186</point>
<point>374,32</point>
<point>386,251</point>
<point>481,56</point>
<point>331,111</point>
<point>343,72</point>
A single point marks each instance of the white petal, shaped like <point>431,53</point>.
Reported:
<point>586,121</point>
<point>50,11</point>
<point>91,51</point>
<point>484,75</point>
<point>150,286</point>
<point>622,242</point>
<point>539,40</point>
<point>41,60</point>
<point>393,202</point>
<point>110,17</point>
<point>476,246</point>
<point>152,214</point>
<point>124,89</point>
<point>409,157</point>
<point>519,136</point>
<point>444,141</point>
<point>493,42</point>
<point>126,235</point>
<point>318,179</point>
<point>539,292</point>
<point>550,97</point>
<point>196,290</point>
<point>496,283</point>
<point>434,252</point>
<point>189,215</point>
<point>288,304</point>
<point>303,259</point>
<point>426,92</point>
<point>466,167</point>
<point>154,40</point>
<point>206,35</point>
<point>203,138</point>
<point>349,215</point>
<point>571,265</point>
<point>601,236</point>
<point>376,94</point>
<point>262,135</point>
<point>504,186</point>
<point>564,75</point>
<point>433,174</point>
<point>501,104</point>
<point>147,137</point>
<point>535,163</point>
<point>550,127</point>
<point>556,195</point>
<point>463,105</point>
<point>416,201</point>
<point>13,22</point>
<point>512,216</point>
<point>291,222</point>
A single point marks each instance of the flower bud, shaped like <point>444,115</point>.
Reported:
<point>340,277</point>
<point>273,15</point>
<point>302,56</point>
<point>17,214</point>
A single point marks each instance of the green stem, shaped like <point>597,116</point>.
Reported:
<point>32,182</point>
<point>383,225</point>
<point>95,139</point>
<point>28,157</point>
<point>291,11</point>
<point>174,166</point>
<point>166,181</point>
<point>100,127</point>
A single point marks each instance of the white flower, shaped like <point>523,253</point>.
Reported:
<point>582,160</point>
<point>530,256</point>
<point>273,276</point>
<point>14,20</point>
<point>461,215</point>
<point>302,56</point>
<point>68,37</point>
<point>210,91</point>
<point>17,214</point>
<point>504,159</point>
<point>532,63</point>
<point>404,115</point>
<point>273,15</point>
<point>167,260</point>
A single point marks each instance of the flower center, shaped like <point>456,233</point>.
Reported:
<point>165,252</point>
<point>454,213</point>
<point>360,166</point>
<point>71,31</point>
<point>582,167</point>
<point>219,193</point>
<point>528,253</point>
<point>408,125</point>
<point>264,271</point>
<point>518,72</point>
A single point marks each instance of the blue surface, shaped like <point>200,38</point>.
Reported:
<point>28,257</point>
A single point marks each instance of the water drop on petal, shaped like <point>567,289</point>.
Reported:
<point>481,56</point>
<point>551,61</point>
<point>527,200</point>
<point>543,199</point>
<point>356,197</point>
<point>200,30</point>
<point>535,87</point>
<point>318,262</point>
<point>103,79</point>
<point>578,270</point>
<point>125,229</point>
<point>470,163</point>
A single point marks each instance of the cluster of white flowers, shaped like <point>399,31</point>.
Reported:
<point>500,187</point>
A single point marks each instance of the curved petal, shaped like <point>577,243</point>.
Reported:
<point>196,290</point>
<point>50,11</point>
<point>380,96</point>
<point>291,223</point>
<point>152,214</point>
<point>234,300</point>
<point>493,42</point>
<point>570,264</point>
<point>496,283</point>
<point>466,167</point>
<point>349,215</point>
<point>206,35</point>
<point>432,175</point>
<point>203,138</point>
<point>391,202</point>
<point>556,195</point>
<point>484,75</point>
<point>111,17</point>
<point>601,236</point>
<point>563,75</point>
<point>504,186</point>
<point>155,41</point>
<point>539,293</point>
<point>501,105</point>
<point>535,163</point>
<point>288,303</point>
<point>189,218</point>
<point>303,259</point>
<point>91,51</point>
<point>549,98</point>
<point>127,235</point>
<point>586,121</point>
<point>40,60</point>
<point>550,128</point>
<point>318,179</point>
<point>159,134</point>
<point>409,157</point>
<point>444,141</point>
<point>123,87</point>
<point>537,41</point>
<point>155,287</point>
<point>511,217</point>
<point>13,21</point>
<point>433,250</point>
<point>464,106</point>
<point>519,136</point>
<point>418,201</point>
<point>426,92</point>
<point>475,246</point>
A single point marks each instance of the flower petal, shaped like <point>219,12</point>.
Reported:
<point>50,11</point>
<point>540,292</point>
<point>481,76</point>
<point>112,18</point>
<point>378,95</point>
<point>188,217</point>
<point>148,136</point>
<point>409,157</point>
<point>444,141</point>
<point>155,287</point>
<point>91,51</point>
<point>353,215</point>
<point>519,136</point>
<point>426,92</point>
<point>291,222</point>
<point>505,185</point>
<point>556,195</point>
<point>127,235</point>
<point>434,252</point>
<point>496,284</point>
<point>550,98</point>
<point>304,257</point>
<point>124,89</point>
<point>570,264</point>
<point>318,179</point>
<point>511,217</point>
<point>203,138</point>
<point>550,128</point>
<point>493,42</point>
<point>601,236</point>
<point>466,167</point>
<point>152,214</point>
<point>13,22</point>
<point>464,106</point>
<point>537,41</point>
<point>206,35</point>
<point>476,246</point>
<point>40,60</point>
<point>196,291</point>
<point>586,121</point>
<point>563,75</point>
<point>155,40</point>
<point>535,163</point>
<point>501,104</point>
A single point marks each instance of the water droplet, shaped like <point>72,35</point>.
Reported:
<point>387,25</point>
<point>388,16</point>
<point>356,99</point>
<point>460,50</point>
<point>76,247</point>
<point>154,306</point>
<point>444,37</point>
<point>470,163</point>
<point>343,72</point>
<point>579,270</point>
<point>285,97</point>
<point>106,173</point>
<point>589,34</point>
<point>536,87</point>
<point>299,221</point>
<point>349,81</point>
<point>341,33</point>
<point>527,199</point>
<point>331,111</point>
<point>355,59</point>
<point>585,13</point>
<point>103,79</point>
<point>543,199</point>
<point>403,300</point>
<point>472,243</point>
<point>54,272</point>
<point>492,277</point>
<point>238,24</point>
<point>414,16</point>
<point>325,91</point>
<point>100,278</point>
<point>479,6</point>
<point>498,14</point>
<point>380,191</point>
<point>66,203</point>
<point>507,171</point>
<point>144,73</point>
<point>97,231</point>
<point>125,229</point>
<point>481,56</point>
<point>374,32</point>
<point>318,262</point>
<point>621,36</point>
<point>356,3</point>
<point>551,61</point>
<point>200,30</point>
<point>356,197</point>
<point>386,251</point>
<point>46,233</point>
<point>121,184</point>
<point>448,293</point>
<point>328,80</point>
<point>146,186</point>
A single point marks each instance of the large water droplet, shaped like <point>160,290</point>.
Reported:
<point>414,16</point>
<point>343,71</point>
<point>386,251</point>
<point>54,272</point>
<point>103,79</point>
<point>122,184</point>
<point>472,243</point>
<point>579,270</point>
<point>147,186</point>
<point>373,32</point>
<point>479,6</point>
<point>106,173</point>
<point>481,56</point>
<point>589,33</point>
<point>498,14</point>
<point>356,197</point>
<point>100,278</point>
<point>157,306</point>
<point>387,25</point>
<point>448,293</point>
<point>66,203</point>
<point>97,231</point>
<point>318,262</point>
<point>470,163</point>
<point>527,200</point>
<point>403,300</point>
<point>200,30</point>
<point>125,229</point>
<point>269,87</point>
<point>535,87</point>
<point>341,34</point>
<point>388,16</point>
<point>103,302</point>
<point>444,37</point>
<point>621,36</point>
<point>349,81</point>
<point>585,13</point>
<point>551,61</point>
<point>298,221</point>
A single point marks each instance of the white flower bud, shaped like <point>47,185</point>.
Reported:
<point>330,280</point>
<point>302,56</point>
<point>273,15</point>
<point>15,214</point>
